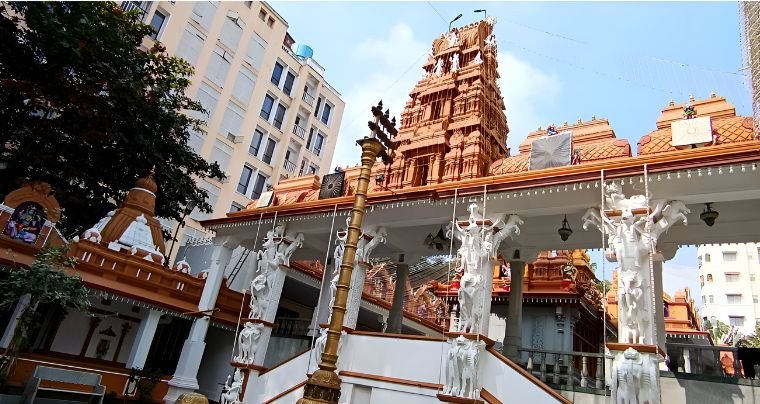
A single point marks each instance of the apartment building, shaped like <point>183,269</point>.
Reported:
<point>730,279</point>
<point>271,113</point>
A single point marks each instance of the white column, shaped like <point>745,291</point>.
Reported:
<point>145,332</point>
<point>185,377</point>
<point>22,304</point>
<point>513,335</point>
<point>659,309</point>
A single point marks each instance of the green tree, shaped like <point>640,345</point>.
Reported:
<point>87,110</point>
<point>45,281</point>
<point>751,341</point>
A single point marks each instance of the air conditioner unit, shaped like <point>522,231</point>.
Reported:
<point>234,138</point>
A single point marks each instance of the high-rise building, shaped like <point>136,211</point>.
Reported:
<point>730,278</point>
<point>750,15</point>
<point>271,113</point>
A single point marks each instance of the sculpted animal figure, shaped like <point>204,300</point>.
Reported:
<point>284,256</point>
<point>231,393</point>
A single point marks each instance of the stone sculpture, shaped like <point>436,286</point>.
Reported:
<point>478,59</point>
<point>634,378</point>
<point>632,238</point>
<point>378,236</point>
<point>462,367</point>
<point>231,392</point>
<point>276,251</point>
<point>248,341</point>
<point>438,70</point>
<point>452,38</point>
<point>454,63</point>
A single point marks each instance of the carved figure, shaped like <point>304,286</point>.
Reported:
<point>453,368</point>
<point>490,40</point>
<point>633,378</point>
<point>284,256</point>
<point>92,234</point>
<point>438,70</point>
<point>248,342</point>
<point>452,38</point>
<point>478,60</point>
<point>461,368</point>
<point>629,295</point>
<point>182,266</point>
<point>454,63</point>
<point>231,392</point>
<point>511,229</point>
<point>378,236</point>
<point>319,345</point>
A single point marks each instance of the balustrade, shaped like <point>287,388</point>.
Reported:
<point>706,360</point>
<point>565,369</point>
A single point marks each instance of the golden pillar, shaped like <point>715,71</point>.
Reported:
<point>324,385</point>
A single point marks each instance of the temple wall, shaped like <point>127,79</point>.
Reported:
<point>71,333</point>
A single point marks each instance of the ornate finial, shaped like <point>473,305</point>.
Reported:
<point>393,121</point>
<point>671,103</point>
<point>691,98</point>
<point>580,120</point>
<point>713,95</point>
<point>380,105</point>
<point>593,117</point>
<point>387,113</point>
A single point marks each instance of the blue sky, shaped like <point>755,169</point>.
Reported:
<point>558,61</point>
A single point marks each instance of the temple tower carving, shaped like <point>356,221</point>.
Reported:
<point>453,126</point>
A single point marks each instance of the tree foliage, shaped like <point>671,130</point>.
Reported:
<point>44,282</point>
<point>85,109</point>
<point>751,341</point>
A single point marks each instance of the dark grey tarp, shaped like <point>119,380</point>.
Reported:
<point>551,151</point>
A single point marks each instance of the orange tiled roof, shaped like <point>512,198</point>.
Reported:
<point>728,130</point>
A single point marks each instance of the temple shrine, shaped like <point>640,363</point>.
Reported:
<point>471,280</point>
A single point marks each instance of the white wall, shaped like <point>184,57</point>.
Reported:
<point>71,333</point>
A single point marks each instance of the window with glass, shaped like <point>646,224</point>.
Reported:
<point>279,116</point>
<point>157,22</point>
<point>732,277</point>
<point>701,280</point>
<point>319,142</point>
<point>277,73</point>
<point>326,111</point>
<point>316,110</point>
<point>287,88</point>
<point>734,299</point>
<point>707,257</point>
<point>736,321</point>
<point>258,186</point>
<point>269,151</point>
<point>253,149</point>
<point>245,179</point>
<point>729,256</point>
<point>712,299</point>
<point>709,278</point>
<point>313,169</point>
<point>266,108</point>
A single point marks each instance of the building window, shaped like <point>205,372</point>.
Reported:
<point>266,108</point>
<point>269,151</point>
<point>243,87</point>
<point>236,207</point>
<point>231,122</point>
<point>287,88</point>
<point>157,22</point>
<point>258,187</point>
<point>248,3</point>
<point>262,15</point>
<point>754,298</point>
<point>712,299</point>
<point>319,142</point>
<point>709,278</point>
<point>196,140</point>
<point>231,32</point>
<point>255,53</point>
<point>326,113</point>
<point>704,300</point>
<point>270,22</point>
<point>319,104</point>
<point>736,321</point>
<point>734,299</point>
<point>729,256</point>
<point>221,154</point>
<point>279,116</point>
<point>253,149</point>
<point>245,179</point>
<point>752,277</point>
<point>732,277</point>
<point>218,66</point>
<point>213,195</point>
<point>313,169</point>
<point>277,74</point>
<point>707,257</point>
<point>701,280</point>
<point>203,13</point>
<point>190,45</point>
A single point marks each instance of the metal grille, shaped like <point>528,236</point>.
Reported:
<point>750,16</point>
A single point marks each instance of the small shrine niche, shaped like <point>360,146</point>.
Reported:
<point>28,214</point>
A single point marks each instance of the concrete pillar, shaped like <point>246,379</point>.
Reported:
<point>22,304</point>
<point>513,335</point>
<point>185,377</point>
<point>355,294</point>
<point>396,315</point>
<point>145,332</point>
<point>659,305</point>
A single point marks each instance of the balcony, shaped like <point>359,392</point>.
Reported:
<point>308,98</point>
<point>140,6</point>
<point>289,166</point>
<point>299,131</point>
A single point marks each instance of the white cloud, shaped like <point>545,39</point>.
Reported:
<point>392,66</point>
<point>526,91</point>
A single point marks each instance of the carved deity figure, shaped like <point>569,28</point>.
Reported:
<point>367,247</point>
<point>276,251</point>
<point>454,63</point>
<point>248,341</point>
<point>478,60</point>
<point>438,69</point>
<point>490,40</point>
<point>231,392</point>
<point>461,368</point>
<point>452,38</point>
<point>633,378</point>
<point>319,345</point>
<point>632,238</point>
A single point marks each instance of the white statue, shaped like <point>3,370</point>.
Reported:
<point>462,367</point>
<point>319,345</point>
<point>491,20</point>
<point>92,234</point>
<point>510,229</point>
<point>454,63</point>
<point>632,237</point>
<point>478,59</point>
<point>378,236</point>
<point>452,38</point>
<point>259,294</point>
<point>424,75</point>
<point>231,392</point>
<point>276,251</point>
<point>633,378</point>
<point>182,266</point>
<point>248,342</point>
<point>438,69</point>
<point>490,40</point>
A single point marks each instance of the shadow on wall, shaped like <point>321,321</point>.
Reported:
<point>688,390</point>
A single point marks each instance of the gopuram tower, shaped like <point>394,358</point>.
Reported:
<point>453,125</point>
